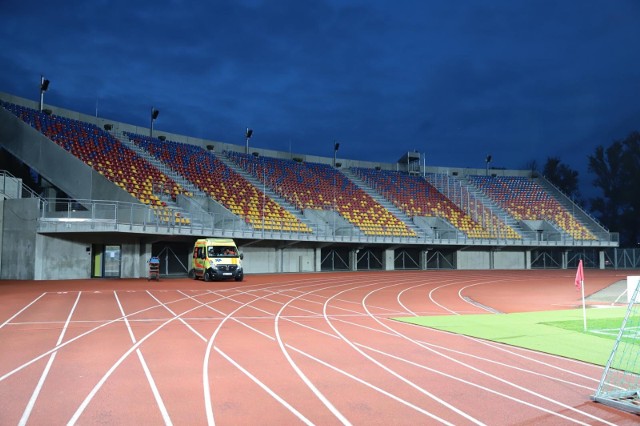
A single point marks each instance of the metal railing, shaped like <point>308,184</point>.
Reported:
<point>13,187</point>
<point>113,216</point>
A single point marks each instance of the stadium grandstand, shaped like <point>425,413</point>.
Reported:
<point>112,196</point>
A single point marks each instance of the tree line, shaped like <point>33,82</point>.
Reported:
<point>616,175</point>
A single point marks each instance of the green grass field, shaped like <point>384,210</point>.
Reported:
<point>554,332</point>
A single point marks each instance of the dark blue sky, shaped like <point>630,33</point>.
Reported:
<point>520,80</point>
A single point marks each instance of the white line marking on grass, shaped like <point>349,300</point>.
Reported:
<point>147,372</point>
<point>45,372</point>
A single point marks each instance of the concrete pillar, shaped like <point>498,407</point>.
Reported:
<point>145,255</point>
<point>424,258</point>
<point>527,259</point>
<point>353,259</point>
<point>318,259</point>
<point>601,260</point>
<point>388,261</point>
<point>565,259</point>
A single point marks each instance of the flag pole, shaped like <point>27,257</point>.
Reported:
<point>584,308</point>
<point>579,281</point>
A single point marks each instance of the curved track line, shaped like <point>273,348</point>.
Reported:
<point>104,378</point>
<point>357,379</point>
<point>152,384</point>
<point>502,348</point>
<point>68,342</point>
<point>205,369</point>
<point>295,367</point>
<point>522,388</point>
<point>389,370</point>
<point>297,413</point>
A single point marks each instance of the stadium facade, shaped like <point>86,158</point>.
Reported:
<point>113,195</point>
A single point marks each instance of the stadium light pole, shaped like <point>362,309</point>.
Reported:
<point>336,147</point>
<point>44,85</point>
<point>154,115</point>
<point>488,160</point>
<point>248,133</point>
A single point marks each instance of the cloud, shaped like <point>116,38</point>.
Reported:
<point>520,80</point>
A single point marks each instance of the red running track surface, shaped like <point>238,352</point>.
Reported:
<point>288,349</point>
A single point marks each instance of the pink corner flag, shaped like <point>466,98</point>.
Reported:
<point>579,275</point>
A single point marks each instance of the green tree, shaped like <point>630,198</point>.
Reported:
<point>562,176</point>
<point>617,175</point>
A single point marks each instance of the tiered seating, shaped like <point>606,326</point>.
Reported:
<point>321,187</point>
<point>109,157</point>
<point>525,199</point>
<point>417,197</point>
<point>221,183</point>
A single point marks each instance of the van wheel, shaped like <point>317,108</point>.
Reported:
<point>207,276</point>
<point>239,277</point>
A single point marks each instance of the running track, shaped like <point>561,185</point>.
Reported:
<point>288,349</point>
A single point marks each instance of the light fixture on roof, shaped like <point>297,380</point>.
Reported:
<point>44,86</point>
<point>488,160</point>
<point>248,133</point>
<point>154,115</point>
<point>336,147</point>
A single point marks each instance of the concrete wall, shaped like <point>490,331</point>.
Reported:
<point>259,260</point>
<point>473,259</point>
<point>19,223</point>
<point>297,260</point>
<point>62,259</point>
<point>509,260</point>
<point>274,260</point>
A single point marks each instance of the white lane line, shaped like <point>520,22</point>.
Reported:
<point>349,375</point>
<point>297,369</point>
<point>420,366</point>
<point>363,382</point>
<point>176,315</point>
<point>500,379</point>
<point>257,381</point>
<point>512,352</point>
<point>476,385</point>
<point>68,342</point>
<point>22,310</point>
<point>297,413</point>
<point>34,396</point>
<point>389,370</point>
<point>205,365</point>
<point>124,356</point>
<point>154,389</point>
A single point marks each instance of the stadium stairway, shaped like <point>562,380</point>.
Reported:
<point>384,202</point>
<point>164,169</point>
<point>586,220</point>
<point>481,198</point>
<point>198,200</point>
<point>262,186</point>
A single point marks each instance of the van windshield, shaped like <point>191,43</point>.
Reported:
<point>222,251</point>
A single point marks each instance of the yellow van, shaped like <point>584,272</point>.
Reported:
<point>216,259</point>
